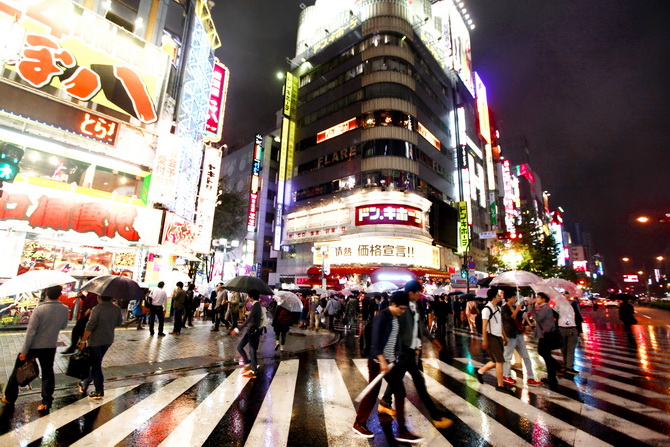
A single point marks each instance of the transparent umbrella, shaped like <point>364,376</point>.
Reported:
<point>288,300</point>
<point>559,283</point>
<point>516,278</point>
<point>381,286</point>
<point>34,280</point>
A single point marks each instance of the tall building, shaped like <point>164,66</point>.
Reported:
<point>383,168</point>
<point>111,103</point>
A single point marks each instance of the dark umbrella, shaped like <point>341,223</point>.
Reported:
<point>247,283</point>
<point>454,293</point>
<point>114,286</point>
<point>485,282</point>
<point>622,296</point>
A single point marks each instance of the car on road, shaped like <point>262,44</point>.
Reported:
<point>585,302</point>
<point>612,303</point>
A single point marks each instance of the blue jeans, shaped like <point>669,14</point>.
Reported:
<point>45,357</point>
<point>95,376</point>
<point>517,343</point>
<point>252,339</point>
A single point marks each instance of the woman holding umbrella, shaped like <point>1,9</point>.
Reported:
<point>281,323</point>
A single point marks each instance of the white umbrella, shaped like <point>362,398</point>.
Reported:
<point>559,283</point>
<point>288,300</point>
<point>34,280</point>
<point>319,291</point>
<point>516,278</point>
<point>427,297</point>
<point>381,286</point>
<point>440,291</point>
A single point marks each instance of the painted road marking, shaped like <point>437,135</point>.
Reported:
<point>199,424</point>
<point>271,427</point>
<point>115,430</point>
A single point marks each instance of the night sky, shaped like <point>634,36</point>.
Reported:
<point>585,82</point>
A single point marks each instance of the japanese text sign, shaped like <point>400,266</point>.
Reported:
<point>67,48</point>
<point>389,214</point>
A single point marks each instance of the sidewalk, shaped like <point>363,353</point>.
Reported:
<point>135,352</point>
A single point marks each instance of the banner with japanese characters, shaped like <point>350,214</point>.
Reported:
<point>389,214</point>
<point>62,49</point>
<point>380,251</point>
<point>54,213</point>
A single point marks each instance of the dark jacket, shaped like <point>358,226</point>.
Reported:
<point>381,330</point>
<point>253,321</point>
<point>406,321</point>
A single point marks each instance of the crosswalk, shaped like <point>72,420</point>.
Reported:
<point>621,397</point>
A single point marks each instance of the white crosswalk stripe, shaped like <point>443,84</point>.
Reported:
<point>607,419</point>
<point>274,418</point>
<point>45,426</point>
<point>198,425</point>
<point>604,391</point>
<point>121,426</point>
<point>554,425</point>
<point>416,421</point>
<point>338,408</point>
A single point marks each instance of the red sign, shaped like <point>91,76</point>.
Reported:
<point>337,130</point>
<point>98,128</point>
<point>389,214</point>
<point>217,103</point>
<point>630,278</point>
<point>251,220</point>
<point>67,214</point>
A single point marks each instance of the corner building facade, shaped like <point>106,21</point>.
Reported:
<point>375,147</point>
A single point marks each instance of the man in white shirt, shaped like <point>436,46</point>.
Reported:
<point>158,301</point>
<point>567,327</point>
<point>493,338</point>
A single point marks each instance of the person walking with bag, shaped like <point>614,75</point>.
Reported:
<point>89,301</point>
<point>99,336</point>
<point>252,337</point>
<point>47,320</point>
<point>281,323</point>
<point>548,337</point>
<point>514,329</point>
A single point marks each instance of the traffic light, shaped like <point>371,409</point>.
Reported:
<point>464,272</point>
<point>10,156</point>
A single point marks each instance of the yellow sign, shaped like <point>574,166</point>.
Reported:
<point>463,227</point>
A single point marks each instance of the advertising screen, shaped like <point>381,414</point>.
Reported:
<point>59,46</point>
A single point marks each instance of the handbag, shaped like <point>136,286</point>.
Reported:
<point>79,365</point>
<point>27,372</point>
<point>552,338</point>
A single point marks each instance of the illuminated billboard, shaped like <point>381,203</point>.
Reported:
<point>337,130</point>
<point>59,46</point>
<point>460,44</point>
<point>380,251</point>
<point>483,110</point>
<point>254,188</point>
<point>217,103</point>
<point>389,214</point>
<point>432,139</point>
<point>32,208</point>
<point>286,152</point>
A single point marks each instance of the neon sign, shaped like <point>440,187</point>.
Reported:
<point>432,139</point>
<point>255,183</point>
<point>337,130</point>
<point>217,103</point>
<point>98,128</point>
<point>389,214</point>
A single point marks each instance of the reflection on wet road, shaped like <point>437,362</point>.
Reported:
<point>620,397</point>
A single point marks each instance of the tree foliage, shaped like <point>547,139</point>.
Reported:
<point>535,251</point>
<point>230,214</point>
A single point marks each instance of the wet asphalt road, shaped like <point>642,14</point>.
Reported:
<point>621,397</point>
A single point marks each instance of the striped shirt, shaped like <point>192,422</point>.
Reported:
<point>392,342</point>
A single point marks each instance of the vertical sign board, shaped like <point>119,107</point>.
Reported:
<point>217,103</point>
<point>207,197</point>
<point>255,183</point>
<point>286,153</point>
<point>463,227</point>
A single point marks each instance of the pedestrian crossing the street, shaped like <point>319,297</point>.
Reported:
<point>621,397</point>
